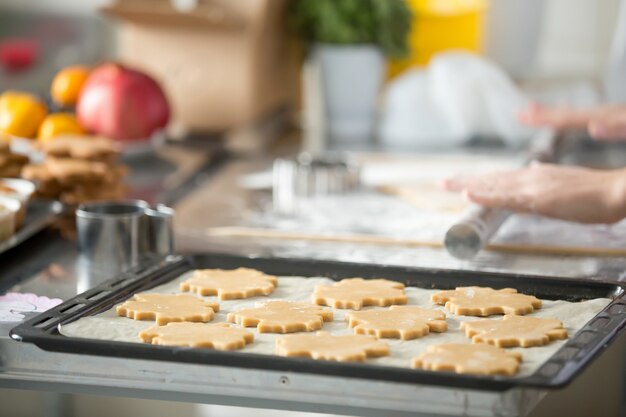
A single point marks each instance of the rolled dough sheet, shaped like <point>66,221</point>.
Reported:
<point>428,196</point>
<point>108,326</point>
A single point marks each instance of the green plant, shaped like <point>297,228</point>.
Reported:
<point>385,23</point>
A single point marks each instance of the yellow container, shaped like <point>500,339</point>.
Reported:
<point>440,25</point>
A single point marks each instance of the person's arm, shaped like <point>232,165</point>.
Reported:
<point>607,123</point>
<point>569,193</point>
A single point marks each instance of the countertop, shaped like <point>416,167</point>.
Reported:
<point>208,196</point>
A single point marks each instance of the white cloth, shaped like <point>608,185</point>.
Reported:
<point>459,96</point>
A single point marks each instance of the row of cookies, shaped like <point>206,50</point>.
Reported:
<point>405,322</point>
<point>459,358</point>
<point>486,356</point>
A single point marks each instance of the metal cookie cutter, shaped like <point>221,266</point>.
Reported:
<point>309,176</point>
<point>114,235</point>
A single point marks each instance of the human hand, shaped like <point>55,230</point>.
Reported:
<point>568,193</point>
<point>606,123</point>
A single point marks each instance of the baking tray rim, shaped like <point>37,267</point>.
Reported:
<point>166,269</point>
<point>50,211</point>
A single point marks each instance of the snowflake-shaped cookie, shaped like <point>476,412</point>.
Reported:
<point>464,358</point>
<point>324,346</point>
<point>219,336</point>
<point>230,284</point>
<point>515,331</point>
<point>354,293</point>
<point>403,322</point>
<point>485,301</point>
<point>167,308</point>
<point>282,317</point>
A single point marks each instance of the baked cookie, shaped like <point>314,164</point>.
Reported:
<point>79,195</point>
<point>399,322</point>
<point>354,293</point>
<point>167,308</point>
<point>17,158</point>
<point>91,148</point>
<point>515,331</point>
<point>70,172</point>
<point>464,358</point>
<point>218,336</point>
<point>67,172</point>
<point>78,169</point>
<point>5,145</point>
<point>282,317</point>
<point>5,159</point>
<point>11,163</point>
<point>485,301</point>
<point>230,284</point>
<point>37,172</point>
<point>324,346</point>
<point>11,170</point>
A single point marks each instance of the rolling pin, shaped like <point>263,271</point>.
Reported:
<point>472,232</point>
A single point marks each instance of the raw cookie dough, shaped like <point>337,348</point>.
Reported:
<point>167,308</point>
<point>282,317</point>
<point>464,358</point>
<point>197,335</point>
<point>485,301</point>
<point>354,293</point>
<point>324,346</point>
<point>515,331</point>
<point>229,284</point>
<point>427,195</point>
<point>401,322</point>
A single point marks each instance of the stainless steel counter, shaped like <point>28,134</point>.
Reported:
<point>48,265</point>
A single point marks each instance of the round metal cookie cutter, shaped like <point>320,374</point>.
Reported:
<point>308,175</point>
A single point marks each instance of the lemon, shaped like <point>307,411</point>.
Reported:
<point>67,84</point>
<point>59,123</point>
<point>21,114</point>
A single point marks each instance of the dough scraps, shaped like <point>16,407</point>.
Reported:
<point>354,293</point>
<point>401,322</point>
<point>464,358</point>
<point>167,308</point>
<point>229,284</point>
<point>220,336</point>
<point>324,346</point>
<point>485,301</point>
<point>515,331</point>
<point>282,317</point>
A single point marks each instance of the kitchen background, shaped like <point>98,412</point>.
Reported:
<point>558,50</point>
<point>574,35</point>
<point>564,58</point>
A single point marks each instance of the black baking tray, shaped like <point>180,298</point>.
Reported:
<point>560,369</point>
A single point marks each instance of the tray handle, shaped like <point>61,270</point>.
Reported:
<point>92,301</point>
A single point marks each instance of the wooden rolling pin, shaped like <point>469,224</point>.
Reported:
<point>254,232</point>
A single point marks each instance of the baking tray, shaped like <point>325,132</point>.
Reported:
<point>560,369</point>
<point>39,215</point>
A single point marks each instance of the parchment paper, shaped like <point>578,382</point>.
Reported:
<point>108,326</point>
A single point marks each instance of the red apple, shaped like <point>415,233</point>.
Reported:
<point>122,103</point>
